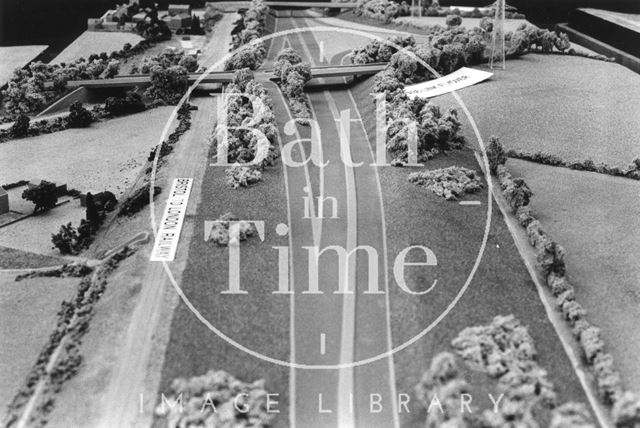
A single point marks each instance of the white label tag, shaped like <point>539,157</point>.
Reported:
<point>166,244</point>
<point>452,82</point>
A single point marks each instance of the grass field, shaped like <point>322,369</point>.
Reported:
<point>105,156</point>
<point>561,105</point>
<point>597,219</point>
<point>259,320</point>
<point>27,317</point>
<point>501,286</point>
<point>95,42</point>
<point>12,57</point>
<point>10,258</point>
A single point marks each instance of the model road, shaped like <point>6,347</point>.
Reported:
<point>334,328</point>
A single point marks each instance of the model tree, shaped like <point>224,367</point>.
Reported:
<point>44,196</point>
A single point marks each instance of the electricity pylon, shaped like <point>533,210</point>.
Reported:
<point>497,38</point>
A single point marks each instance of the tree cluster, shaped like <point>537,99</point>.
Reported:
<point>44,196</point>
<point>26,91</point>
<point>137,201</point>
<point>505,350</point>
<point>217,399</point>
<point>436,131</point>
<point>292,75</point>
<point>447,50</point>
<point>250,27</point>
<point>79,117</point>
<point>71,240</point>
<point>119,106</point>
<point>248,107</point>
<point>167,60</point>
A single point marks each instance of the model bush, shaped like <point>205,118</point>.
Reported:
<point>137,200</point>
<point>436,131</point>
<point>168,84</point>
<point>495,154</point>
<point>20,127</point>
<point>451,183</point>
<point>79,117</point>
<point>244,114</point>
<point>214,400</point>
<point>443,381</point>
<point>453,20</point>
<point>571,415</point>
<point>505,350</point>
<point>250,52</point>
<point>130,103</point>
<point>626,411</point>
<point>221,232</point>
<point>292,75</point>
<point>242,176</point>
<point>44,196</point>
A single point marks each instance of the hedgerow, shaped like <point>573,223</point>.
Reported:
<point>217,399</point>
<point>631,171</point>
<point>292,75</point>
<point>451,183</point>
<point>550,257</point>
<point>184,124</point>
<point>138,200</point>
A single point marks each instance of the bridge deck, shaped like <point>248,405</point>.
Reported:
<point>130,81</point>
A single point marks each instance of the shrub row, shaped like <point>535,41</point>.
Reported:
<point>631,171</point>
<point>293,74</point>
<point>137,201</point>
<point>184,124</point>
<point>250,27</point>
<point>72,323</point>
<point>550,256</point>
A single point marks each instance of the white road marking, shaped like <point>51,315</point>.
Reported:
<point>323,343</point>
<point>470,203</point>
<point>385,252</point>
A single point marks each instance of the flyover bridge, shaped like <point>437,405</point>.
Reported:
<point>132,81</point>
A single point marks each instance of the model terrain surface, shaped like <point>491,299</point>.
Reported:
<point>239,215</point>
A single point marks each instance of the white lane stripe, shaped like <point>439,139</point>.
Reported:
<point>292,311</point>
<point>470,203</point>
<point>346,417</point>
<point>392,369</point>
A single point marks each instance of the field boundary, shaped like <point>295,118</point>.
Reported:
<point>564,334</point>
